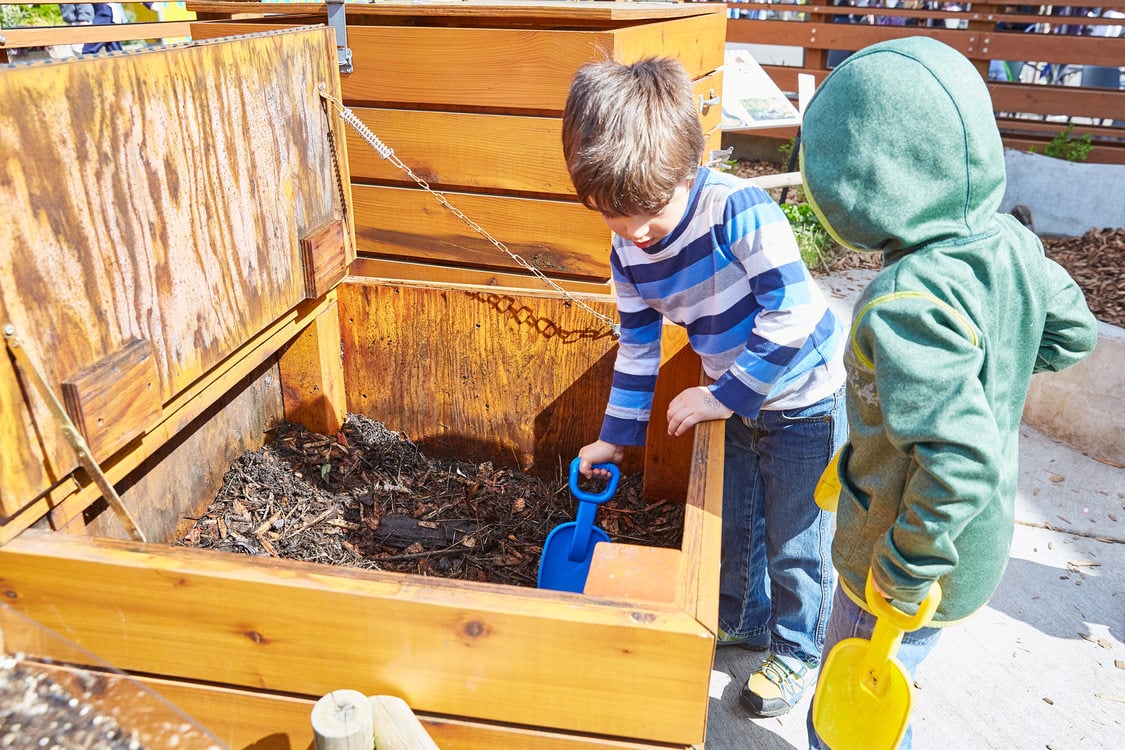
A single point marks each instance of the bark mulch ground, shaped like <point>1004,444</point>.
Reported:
<point>368,498</point>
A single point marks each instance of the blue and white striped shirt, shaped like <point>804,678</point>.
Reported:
<point>731,274</point>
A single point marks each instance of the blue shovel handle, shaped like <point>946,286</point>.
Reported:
<point>589,497</point>
<point>588,503</point>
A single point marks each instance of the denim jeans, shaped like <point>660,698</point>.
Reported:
<point>776,581</point>
<point>850,621</point>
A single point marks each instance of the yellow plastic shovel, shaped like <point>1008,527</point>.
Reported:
<point>863,698</point>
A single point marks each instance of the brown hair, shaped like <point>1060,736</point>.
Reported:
<point>631,134</point>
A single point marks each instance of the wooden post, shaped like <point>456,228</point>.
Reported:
<point>312,375</point>
<point>341,720</point>
<point>396,726</point>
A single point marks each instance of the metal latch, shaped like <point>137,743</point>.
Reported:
<point>338,21</point>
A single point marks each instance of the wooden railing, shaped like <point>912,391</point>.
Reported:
<point>1056,64</point>
<point>31,36</point>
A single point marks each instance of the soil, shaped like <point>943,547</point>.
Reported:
<point>368,498</point>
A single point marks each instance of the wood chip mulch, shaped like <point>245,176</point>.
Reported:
<point>367,498</point>
<point>1096,260</point>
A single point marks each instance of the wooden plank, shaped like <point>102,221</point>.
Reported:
<point>517,70</point>
<point>324,253</point>
<point>393,269</point>
<point>42,36</point>
<point>68,499</point>
<point>477,398</point>
<point>462,150</point>
<point>459,150</point>
<point>114,400</point>
<point>134,207</point>
<point>683,39</point>
<point>703,520</point>
<point>256,719</point>
<point>510,10</point>
<point>312,375</point>
<point>634,572</point>
<point>171,488</point>
<point>704,90</point>
<point>560,238</point>
<point>667,458</point>
<point>1058,100</point>
<point>494,653</point>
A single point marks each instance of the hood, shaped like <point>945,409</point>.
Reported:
<point>900,149</point>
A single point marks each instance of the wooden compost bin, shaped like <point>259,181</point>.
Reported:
<point>176,228</point>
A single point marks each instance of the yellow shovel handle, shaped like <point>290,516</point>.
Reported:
<point>883,609</point>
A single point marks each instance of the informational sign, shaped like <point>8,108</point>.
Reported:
<point>751,100</point>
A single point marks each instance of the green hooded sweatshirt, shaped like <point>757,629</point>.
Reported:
<point>900,154</point>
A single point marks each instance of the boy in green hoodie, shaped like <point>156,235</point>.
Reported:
<point>901,155</point>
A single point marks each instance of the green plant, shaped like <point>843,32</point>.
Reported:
<point>816,245</point>
<point>1065,145</point>
<point>30,15</point>
<point>786,150</point>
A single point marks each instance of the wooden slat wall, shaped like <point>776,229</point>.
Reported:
<point>158,196</point>
<point>472,104</point>
<point>482,374</point>
<point>535,658</point>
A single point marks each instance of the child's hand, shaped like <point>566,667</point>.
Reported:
<point>693,406</point>
<point>598,452</point>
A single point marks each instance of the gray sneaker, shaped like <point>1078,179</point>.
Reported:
<point>777,686</point>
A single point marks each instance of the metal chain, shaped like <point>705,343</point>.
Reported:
<point>388,154</point>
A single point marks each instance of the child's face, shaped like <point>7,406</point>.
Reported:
<point>645,230</point>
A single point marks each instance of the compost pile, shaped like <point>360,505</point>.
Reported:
<point>368,498</point>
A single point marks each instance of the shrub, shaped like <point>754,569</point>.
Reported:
<point>1065,145</point>
<point>817,247</point>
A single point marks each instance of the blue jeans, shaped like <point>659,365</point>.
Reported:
<point>776,581</point>
<point>850,621</point>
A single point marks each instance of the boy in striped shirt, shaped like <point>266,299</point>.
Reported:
<point>709,251</point>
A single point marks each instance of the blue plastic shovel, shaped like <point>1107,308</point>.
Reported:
<point>570,546</point>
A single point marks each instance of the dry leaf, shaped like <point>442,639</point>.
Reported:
<point>1119,663</point>
<point>469,541</point>
<point>1056,478</point>
<point>1049,701</point>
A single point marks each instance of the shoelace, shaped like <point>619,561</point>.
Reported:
<point>777,672</point>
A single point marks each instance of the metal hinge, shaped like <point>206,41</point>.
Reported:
<point>338,21</point>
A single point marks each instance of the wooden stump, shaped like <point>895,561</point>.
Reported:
<point>342,720</point>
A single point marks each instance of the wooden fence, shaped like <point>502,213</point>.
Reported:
<point>1047,66</point>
